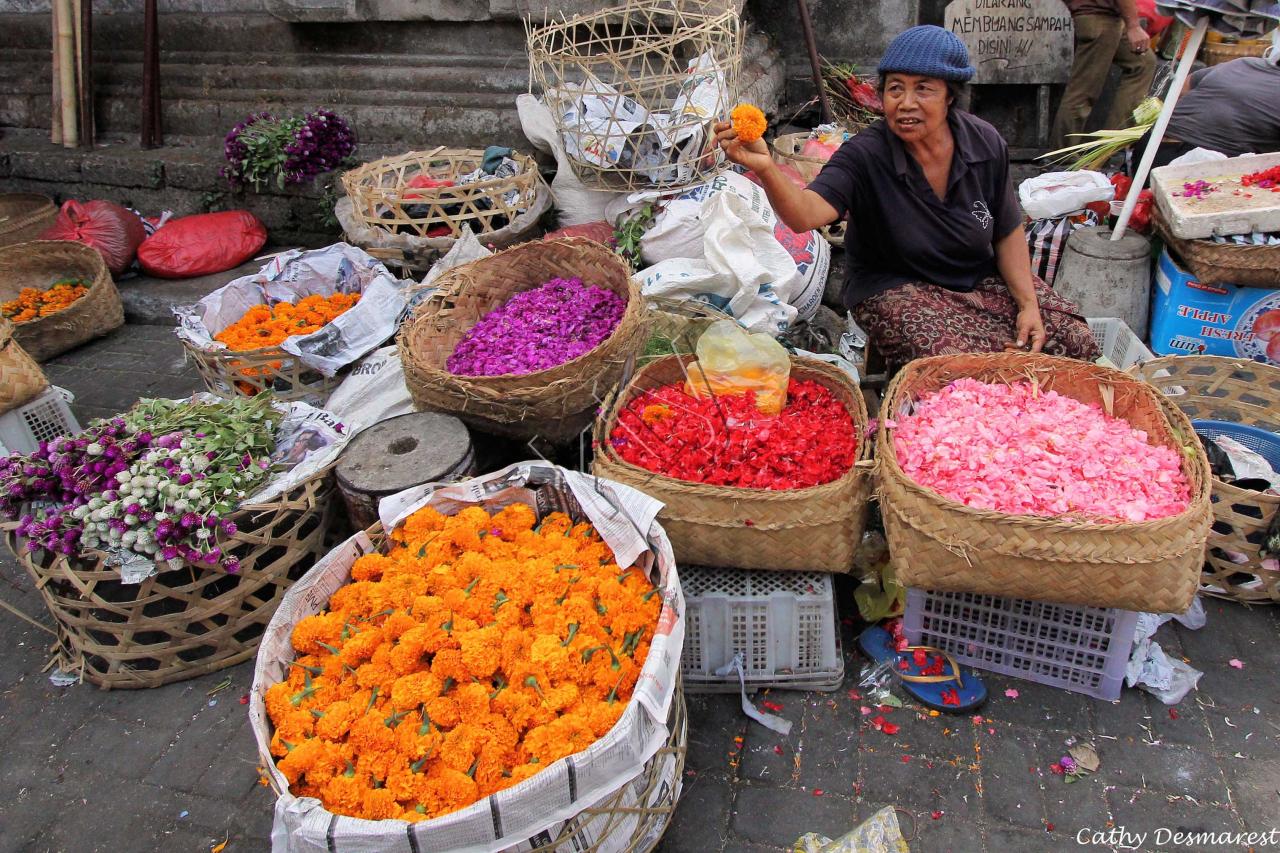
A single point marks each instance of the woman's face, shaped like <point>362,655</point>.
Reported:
<point>915,107</point>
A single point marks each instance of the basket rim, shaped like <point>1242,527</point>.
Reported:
<point>887,458</point>
<point>605,424</point>
<point>694,18</point>
<point>381,166</point>
<point>634,306</point>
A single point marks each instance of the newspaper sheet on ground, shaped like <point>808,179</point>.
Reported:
<point>537,810</point>
<point>296,274</point>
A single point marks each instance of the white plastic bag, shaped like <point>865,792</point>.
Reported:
<point>679,231</point>
<point>577,203</point>
<point>1056,194</point>
<point>739,270</point>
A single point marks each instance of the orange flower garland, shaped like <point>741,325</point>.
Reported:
<point>475,653</point>
<point>748,122</point>
<point>32,304</point>
<point>265,326</point>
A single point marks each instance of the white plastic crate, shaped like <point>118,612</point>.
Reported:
<point>43,419</point>
<point>1082,649</point>
<point>782,623</point>
<point>1118,343</point>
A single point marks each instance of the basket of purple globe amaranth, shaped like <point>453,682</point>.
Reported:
<point>161,541</point>
<point>527,342</point>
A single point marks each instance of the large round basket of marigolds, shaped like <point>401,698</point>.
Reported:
<point>58,294</point>
<point>500,671</point>
<point>292,327</point>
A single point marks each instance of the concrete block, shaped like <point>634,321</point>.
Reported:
<point>49,165</point>
<point>122,171</point>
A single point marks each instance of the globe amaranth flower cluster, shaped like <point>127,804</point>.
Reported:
<point>538,329</point>
<point>155,482</point>
<point>264,150</point>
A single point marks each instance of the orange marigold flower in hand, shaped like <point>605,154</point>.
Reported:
<point>748,122</point>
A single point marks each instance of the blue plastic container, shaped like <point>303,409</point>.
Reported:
<point>1262,442</point>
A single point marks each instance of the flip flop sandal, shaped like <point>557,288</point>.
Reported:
<point>965,690</point>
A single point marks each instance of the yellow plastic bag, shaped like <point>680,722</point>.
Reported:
<point>731,361</point>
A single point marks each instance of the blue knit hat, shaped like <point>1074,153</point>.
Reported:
<point>930,52</point>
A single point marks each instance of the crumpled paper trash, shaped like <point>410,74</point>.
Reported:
<point>1166,678</point>
<point>877,834</point>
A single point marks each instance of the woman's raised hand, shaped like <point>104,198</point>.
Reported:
<point>751,155</point>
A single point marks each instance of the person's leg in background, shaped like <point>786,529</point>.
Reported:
<point>1136,73</point>
<point>1098,38</point>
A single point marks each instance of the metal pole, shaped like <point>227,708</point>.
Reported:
<point>1157,131</point>
<point>150,76</point>
<point>87,132</point>
<point>814,62</point>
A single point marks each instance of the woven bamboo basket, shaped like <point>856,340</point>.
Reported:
<point>1216,54</point>
<point>185,623</point>
<point>21,379</point>
<point>1208,387</point>
<point>939,544</point>
<point>555,404</point>
<point>1224,263</point>
<point>382,199</point>
<point>786,150</point>
<point>642,50</point>
<point>25,216</point>
<point>230,373</point>
<point>39,264</point>
<point>813,529</point>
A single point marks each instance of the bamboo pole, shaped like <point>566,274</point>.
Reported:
<point>67,74</point>
<point>55,102</point>
<point>1189,52</point>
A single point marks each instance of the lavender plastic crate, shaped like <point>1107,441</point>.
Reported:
<point>1083,649</point>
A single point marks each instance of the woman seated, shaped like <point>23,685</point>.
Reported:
<point>937,259</point>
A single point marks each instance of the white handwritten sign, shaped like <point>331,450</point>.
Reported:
<point>1015,41</point>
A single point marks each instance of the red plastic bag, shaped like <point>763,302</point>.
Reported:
<point>112,230</point>
<point>202,244</point>
<point>601,232</point>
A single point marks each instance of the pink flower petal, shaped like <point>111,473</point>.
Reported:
<point>1236,663</point>
<point>1011,693</point>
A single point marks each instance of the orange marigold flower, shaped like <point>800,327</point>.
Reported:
<point>748,122</point>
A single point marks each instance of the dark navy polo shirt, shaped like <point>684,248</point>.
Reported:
<point>899,230</point>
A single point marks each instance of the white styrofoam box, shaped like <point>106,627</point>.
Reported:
<point>1119,345</point>
<point>43,419</point>
<point>1188,221</point>
<point>782,623</point>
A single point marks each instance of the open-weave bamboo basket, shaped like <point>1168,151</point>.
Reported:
<point>382,199</point>
<point>813,529</point>
<point>24,216</point>
<point>642,49</point>
<point>786,149</point>
<point>939,544</point>
<point>180,624</point>
<point>40,264</point>
<point>554,404</point>
<point>21,379</point>
<point>1208,387</point>
<point>230,373</point>
<point>1224,263</point>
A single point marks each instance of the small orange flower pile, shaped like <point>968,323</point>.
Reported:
<point>478,651</point>
<point>265,326</point>
<point>748,122</point>
<point>32,304</point>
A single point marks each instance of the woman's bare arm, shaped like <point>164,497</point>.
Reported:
<point>800,209</point>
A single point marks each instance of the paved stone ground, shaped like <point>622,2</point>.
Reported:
<point>175,768</point>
